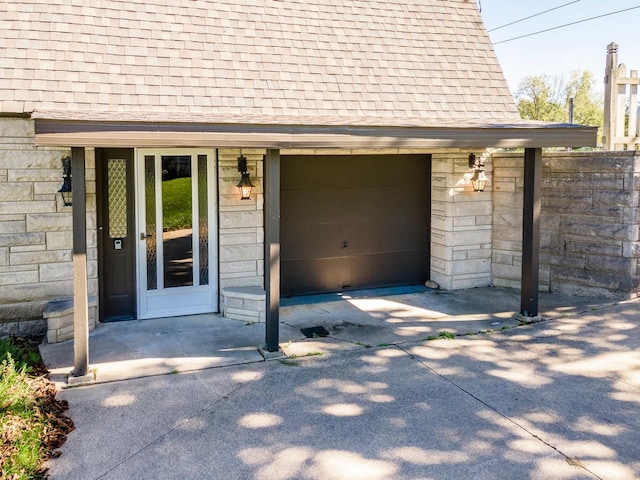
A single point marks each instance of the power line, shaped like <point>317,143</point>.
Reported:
<point>565,25</point>
<point>532,16</point>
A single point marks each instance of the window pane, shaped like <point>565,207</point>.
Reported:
<point>117,185</point>
<point>203,219</point>
<point>177,224</point>
<point>150,202</point>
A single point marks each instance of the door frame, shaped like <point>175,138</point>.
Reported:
<point>171,301</point>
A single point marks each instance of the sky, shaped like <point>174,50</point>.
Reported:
<point>577,47</point>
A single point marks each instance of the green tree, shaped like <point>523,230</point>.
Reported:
<point>540,98</point>
<point>546,98</point>
<point>588,106</point>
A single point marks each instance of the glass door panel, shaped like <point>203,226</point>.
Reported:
<point>203,218</point>
<point>151,253</point>
<point>177,221</point>
<point>176,215</point>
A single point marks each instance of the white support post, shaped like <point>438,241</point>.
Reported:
<point>620,100</point>
<point>633,110</point>
<point>610,105</point>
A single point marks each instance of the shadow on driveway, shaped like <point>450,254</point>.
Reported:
<point>558,399</point>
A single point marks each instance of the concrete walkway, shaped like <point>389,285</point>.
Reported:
<point>558,399</point>
<point>142,348</point>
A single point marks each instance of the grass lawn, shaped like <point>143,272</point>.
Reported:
<point>176,203</point>
<point>32,422</point>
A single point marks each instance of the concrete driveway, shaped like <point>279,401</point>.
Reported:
<point>554,400</point>
<point>367,318</point>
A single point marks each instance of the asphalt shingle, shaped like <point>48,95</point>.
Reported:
<point>383,61</point>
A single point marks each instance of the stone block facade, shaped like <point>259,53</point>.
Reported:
<point>35,229</point>
<point>461,222</point>
<point>241,227</point>
<point>590,227</point>
<point>59,319</point>
<point>244,303</point>
<point>590,223</point>
<point>36,239</point>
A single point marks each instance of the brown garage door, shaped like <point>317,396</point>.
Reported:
<point>351,222</point>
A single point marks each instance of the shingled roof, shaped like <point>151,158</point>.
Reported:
<point>378,63</point>
<point>422,59</point>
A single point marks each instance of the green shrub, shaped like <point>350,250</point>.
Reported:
<point>22,356</point>
<point>22,423</point>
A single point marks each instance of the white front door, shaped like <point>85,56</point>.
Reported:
<point>177,231</point>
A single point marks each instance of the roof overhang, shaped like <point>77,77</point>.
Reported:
<point>56,132</point>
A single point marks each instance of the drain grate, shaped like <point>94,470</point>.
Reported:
<point>315,332</point>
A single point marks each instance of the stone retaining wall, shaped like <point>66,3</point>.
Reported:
<point>590,220</point>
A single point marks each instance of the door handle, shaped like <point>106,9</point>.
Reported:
<point>144,235</point>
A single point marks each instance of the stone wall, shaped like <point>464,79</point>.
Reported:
<point>241,221</point>
<point>589,227</point>
<point>461,233</point>
<point>35,229</point>
<point>590,220</point>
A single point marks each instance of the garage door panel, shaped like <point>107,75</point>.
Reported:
<point>352,273</point>
<point>359,236</point>
<point>379,204</point>
<point>350,205</point>
<point>402,268</point>
<point>317,206</point>
<point>315,276</point>
<point>354,221</point>
<point>309,241</point>
<point>348,171</point>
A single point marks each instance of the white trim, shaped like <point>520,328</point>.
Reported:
<point>177,301</point>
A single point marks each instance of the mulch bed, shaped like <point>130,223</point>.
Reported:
<point>58,425</point>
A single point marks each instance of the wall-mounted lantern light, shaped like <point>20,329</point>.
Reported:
<point>479,179</point>
<point>66,190</point>
<point>244,184</point>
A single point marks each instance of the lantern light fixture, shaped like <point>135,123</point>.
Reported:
<point>244,185</point>
<point>479,179</point>
<point>66,188</point>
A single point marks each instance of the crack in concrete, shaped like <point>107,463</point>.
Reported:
<point>570,460</point>
<point>223,398</point>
